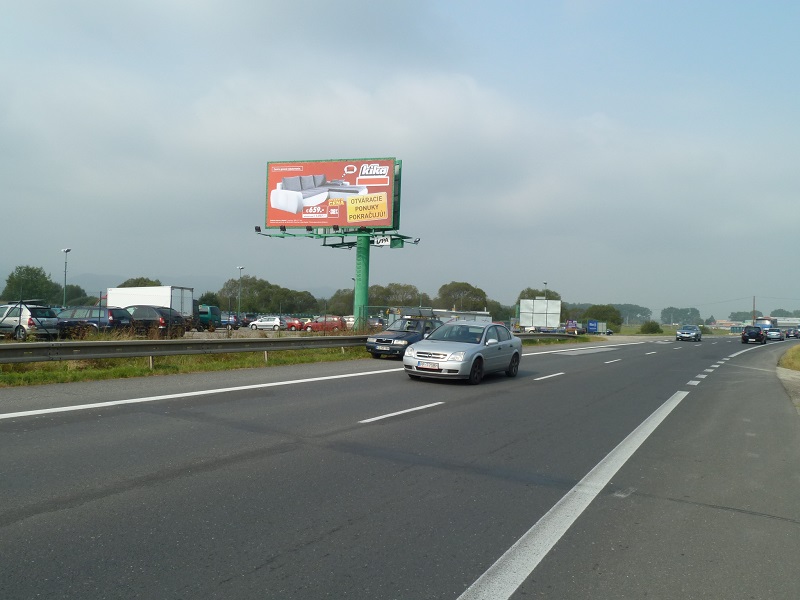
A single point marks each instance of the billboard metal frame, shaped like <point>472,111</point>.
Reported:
<point>361,238</point>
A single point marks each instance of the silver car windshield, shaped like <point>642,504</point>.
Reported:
<point>454,332</point>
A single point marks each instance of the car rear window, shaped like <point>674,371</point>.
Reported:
<point>42,313</point>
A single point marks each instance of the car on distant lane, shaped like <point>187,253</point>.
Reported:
<point>774,333</point>
<point>753,333</point>
<point>464,350</point>
<point>688,332</point>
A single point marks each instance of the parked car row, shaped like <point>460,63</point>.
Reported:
<point>32,318</point>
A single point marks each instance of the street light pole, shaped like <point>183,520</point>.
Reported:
<point>239,311</point>
<point>65,251</point>
<point>546,313</point>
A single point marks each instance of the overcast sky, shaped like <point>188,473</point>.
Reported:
<point>625,151</point>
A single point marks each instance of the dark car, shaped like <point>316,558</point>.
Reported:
<point>399,335</point>
<point>230,321</point>
<point>753,333</point>
<point>157,320</point>
<point>375,323</point>
<point>792,332</point>
<point>79,321</point>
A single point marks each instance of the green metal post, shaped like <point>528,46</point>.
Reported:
<point>361,296</point>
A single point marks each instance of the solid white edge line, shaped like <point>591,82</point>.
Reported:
<point>503,578</point>
<point>46,411</point>
<point>401,412</point>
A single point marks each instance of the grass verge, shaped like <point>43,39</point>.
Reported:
<point>791,359</point>
<point>20,374</point>
<point>41,373</point>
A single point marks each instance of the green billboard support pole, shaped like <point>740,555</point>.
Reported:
<point>361,296</point>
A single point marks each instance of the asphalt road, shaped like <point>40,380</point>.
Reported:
<point>615,470</point>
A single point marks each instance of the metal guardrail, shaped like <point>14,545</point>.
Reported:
<point>56,351</point>
<point>83,350</point>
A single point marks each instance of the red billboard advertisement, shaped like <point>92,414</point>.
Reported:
<point>322,193</point>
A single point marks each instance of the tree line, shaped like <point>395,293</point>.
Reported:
<point>261,296</point>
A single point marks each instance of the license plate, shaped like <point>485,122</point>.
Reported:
<point>427,365</point>
<point>383,348</point>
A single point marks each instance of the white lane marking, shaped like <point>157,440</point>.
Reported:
<point>548,376</point>
<point>647,353</point>
<point>701,376</point>
<point>693,382</point>
<point>583,348</point>
<point>400,412</point>
<point>608,362</point>
<point>58,409</point>
<point>708,370</point>
<point>502,579</point>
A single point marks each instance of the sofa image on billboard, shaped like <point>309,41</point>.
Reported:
<point>294,193</point>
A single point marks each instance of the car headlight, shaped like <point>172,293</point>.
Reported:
<point>372,340</point>
<point>400,342</point>
<point>411,351</point>
<point>457,357</point>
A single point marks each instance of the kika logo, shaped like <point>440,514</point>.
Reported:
<point>373,169</point>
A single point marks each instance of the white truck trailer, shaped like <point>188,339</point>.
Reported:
<point>170,296</point>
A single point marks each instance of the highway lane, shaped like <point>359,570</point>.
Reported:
<point>282,491</point>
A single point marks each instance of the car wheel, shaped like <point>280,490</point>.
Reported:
<point>513,366</point>
<point>20,334</point>
<point>253,326</point>
<point>309,329</point>
<point>335,329</point>
<point>228,326</point>
<point>413,377</point>
<point>476,372</point>
<point>274,328</point>
<point>375,354</point>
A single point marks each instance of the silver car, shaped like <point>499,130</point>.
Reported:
<point>688,332</point>
<point>464,350</point>
<point>273,323</point>
<point>774,333</point>
<point>19,320</point>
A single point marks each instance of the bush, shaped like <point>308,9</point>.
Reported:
<point>651,327</point>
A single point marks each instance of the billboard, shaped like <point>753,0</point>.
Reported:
<point>539,313</point>
<point>322,193</point>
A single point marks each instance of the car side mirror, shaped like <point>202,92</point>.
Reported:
<point>491,342</point>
